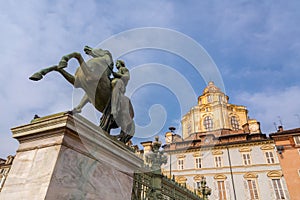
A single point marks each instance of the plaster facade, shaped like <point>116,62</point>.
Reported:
<point>288,151</point>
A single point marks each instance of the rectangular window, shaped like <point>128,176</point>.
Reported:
<point>198,163</point>
<point>180,164</point>
<point>299,151</point>
<point>252,189</point>
<point>221,190</point>
<point>277,186</point>
<point>246,159</point>
<point>297,140</point>
<point>198,185</point>
<point>218,161</point>
<point>270,157</point>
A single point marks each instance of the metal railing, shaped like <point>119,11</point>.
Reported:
<point>152,186</point>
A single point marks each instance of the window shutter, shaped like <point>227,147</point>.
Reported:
<point>246,188</point>
<point>228,193</point>
<point>216,191</point>
<point>272,194</point>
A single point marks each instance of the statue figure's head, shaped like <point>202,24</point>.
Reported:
<point>120,63</point>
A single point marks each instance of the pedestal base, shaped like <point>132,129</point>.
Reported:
<point>67,157</point>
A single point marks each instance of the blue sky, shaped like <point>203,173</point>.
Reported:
<point>254,44</point>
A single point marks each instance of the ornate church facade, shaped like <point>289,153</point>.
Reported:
<point>221,143</point>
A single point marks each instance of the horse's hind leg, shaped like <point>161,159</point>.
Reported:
<point>82,103</point>
<point>39,75</point>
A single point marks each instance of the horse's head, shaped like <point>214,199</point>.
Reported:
<point>96,52</point>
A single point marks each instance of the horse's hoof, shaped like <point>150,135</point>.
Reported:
<point>36,77</point>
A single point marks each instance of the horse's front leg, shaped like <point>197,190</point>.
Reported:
<point>39,75</point>
<point>64,63</point>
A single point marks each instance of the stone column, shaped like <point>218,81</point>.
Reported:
<point>67,157</point>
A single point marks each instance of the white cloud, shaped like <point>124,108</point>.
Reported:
<point>35,34</point>
<point>268,106</point>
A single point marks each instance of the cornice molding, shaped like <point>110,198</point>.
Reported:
<point>220,177</point>
<point>181,156</point>
<point>274,174</point>
<point>267,147</point>
<point>217,152</point>
<point>245,149</point>
<point>197,154</point>
<point>181,179</point>
<point>198,177</point>
<point>220,146</point>
<point>250,175</point>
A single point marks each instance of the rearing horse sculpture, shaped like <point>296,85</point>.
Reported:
<point>93,77</point>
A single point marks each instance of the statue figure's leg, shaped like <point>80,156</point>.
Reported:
<point>130,130</point>
<point>114,102</point>
<point>122,136</point>
<point>127,132</point>
<point>115,97</point>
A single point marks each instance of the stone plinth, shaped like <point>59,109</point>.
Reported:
<point>67,157</point>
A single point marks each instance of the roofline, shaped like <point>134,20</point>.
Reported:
<point>218,145</point>
<point>285,132</point>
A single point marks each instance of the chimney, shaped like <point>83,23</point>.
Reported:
<point>280,129</point>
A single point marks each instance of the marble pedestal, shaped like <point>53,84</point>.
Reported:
<point>67,157</point>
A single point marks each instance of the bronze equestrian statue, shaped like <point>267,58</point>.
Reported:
<point>106,95</point>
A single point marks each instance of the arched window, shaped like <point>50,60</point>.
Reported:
<point>222,190</point>
<point>208,123</point>
<point>209,98</point>
<point>278,186</point>
<point>220,98</point>
<point>251,185</point>
<point>189,128</point>
<point>234,123</point>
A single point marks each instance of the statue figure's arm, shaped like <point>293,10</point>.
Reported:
<point>122,72</point>
<point>117,75</point>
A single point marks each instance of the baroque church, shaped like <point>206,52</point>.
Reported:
<point>221,143</point>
